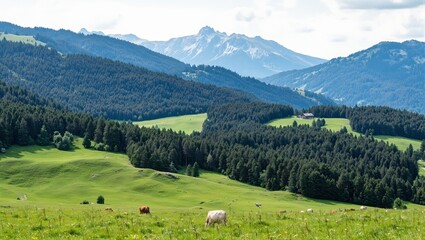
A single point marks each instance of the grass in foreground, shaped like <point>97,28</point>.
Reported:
<point>335,124</point>
<point>90,222</point>
<point>185,123</point>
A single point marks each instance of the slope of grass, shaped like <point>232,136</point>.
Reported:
<point>23,39</point>
<point>185,123</point>
<point>421,164</point>
<point>55,182</point>
<point>47,175</point>
<point>335,124</point>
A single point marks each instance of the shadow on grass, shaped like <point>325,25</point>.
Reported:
<point>16,151</point>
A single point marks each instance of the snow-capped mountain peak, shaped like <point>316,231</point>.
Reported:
<point>207,30</point>
<point>247,56</point>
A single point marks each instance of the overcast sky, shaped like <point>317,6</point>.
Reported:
<point>321,28</point>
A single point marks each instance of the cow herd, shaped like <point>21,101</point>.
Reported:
<point>219,216</point>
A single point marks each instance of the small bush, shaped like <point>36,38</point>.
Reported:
<point>85,202</point>
<point>100,200</point>
<point>398,204</point>
<point>100,147</point>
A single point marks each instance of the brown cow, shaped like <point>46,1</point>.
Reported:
<point>144,210</point>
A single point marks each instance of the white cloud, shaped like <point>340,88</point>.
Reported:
<point>381,4</point>
<point>245,14</point>
<point>323,28</point>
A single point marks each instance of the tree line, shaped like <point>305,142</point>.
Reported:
<point>377,120</point>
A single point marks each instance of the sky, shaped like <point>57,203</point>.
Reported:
<point>320,28</point>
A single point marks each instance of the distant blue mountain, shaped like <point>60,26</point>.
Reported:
<point>389,73</point>
<point>254,57</point>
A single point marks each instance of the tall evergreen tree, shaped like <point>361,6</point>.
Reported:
<point>23,136</point>
<point>189,170</point>
<point>86,141</point>
<point>98,132</point>
<point>43,137</point>
<point>195,170</point>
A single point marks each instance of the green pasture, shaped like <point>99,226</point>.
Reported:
<point>421,164</point>
<point>185,123</point>
<point>46,175</point>
<point>93,222</point>
<point>335,124</point>
<point>18,38</point>
<point>55,182</point>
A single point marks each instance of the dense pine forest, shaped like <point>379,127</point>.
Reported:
<point>308,160</point>
<point>374,120</point>
<point>268,93</point>
<point>106,88</point>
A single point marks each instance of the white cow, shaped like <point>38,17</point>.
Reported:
<point>363,207</point>
<point>310,210</point>
<point>215,216</point>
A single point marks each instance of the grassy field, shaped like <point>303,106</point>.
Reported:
<point>55,182</point>
<point>92,222</point>
<point>335,124</point>
<point>421,164</point>
<point>185,123</point>
<point>17,38</point>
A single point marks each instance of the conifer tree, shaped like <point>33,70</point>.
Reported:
<point>23,136</point>
<point>43,138</point>
<point>195,170</point>
<point>86,141</point>
<point>189,170</point>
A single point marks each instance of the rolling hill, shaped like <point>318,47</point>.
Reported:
<point>254,57</point>
<point>68,42</point>
<point>389,73</point>
<point>47,175</point>
<point>336,124</point>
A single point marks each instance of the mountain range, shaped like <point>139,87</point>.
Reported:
<point>68,42</point>
<point>389,73</point>
<point>254,57</point>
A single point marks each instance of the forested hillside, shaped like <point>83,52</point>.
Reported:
<point>17,94</point>
<point>314,162</point>
<point>268,93</point>
<point>106,88</point>
<point>373,120</point>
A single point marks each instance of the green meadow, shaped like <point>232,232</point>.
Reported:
<point>17,38</point>
<point>421,164</point>
<point>46,175</point>
<point>335,124</point>
<point>185,123</point>
<point>55,182</point>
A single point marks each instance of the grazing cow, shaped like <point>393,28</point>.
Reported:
<point>215,216</point>
<point>310,210</point>
<point>144,210</point>
<point>109,209</point>
<point>363,207</point>
<point>258,204</point>
<point>334,211</point>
